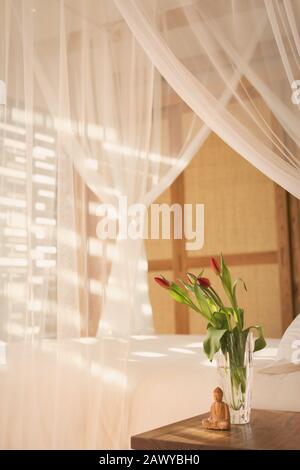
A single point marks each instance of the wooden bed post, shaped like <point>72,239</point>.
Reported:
<point>294,230</point>
<point>285,249</point>
<point>177,196</point>
<point>284,257</point>
<point>294,225</point>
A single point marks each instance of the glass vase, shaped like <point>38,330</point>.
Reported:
<point>235,370</point>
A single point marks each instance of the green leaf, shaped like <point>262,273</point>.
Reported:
<point>203,302</point>
<point>213,296</point>
<point>212,305</point>
<point>220,320</point>
<point>212,340</point>
<point>225,274</point>
<point>218,301</point>
<point>178,294</point>
<point>239,279</point>
<point>178,297</point>
<point>229,313</point>
<point>234,289</point>
<point>226,280</point>
<point>175,288</point>
<point>241,317</point>
<point>260,342</point>
<point>192,277</point>
<point>224,342</point>
<point>228,310</point>
<point>187,286</point>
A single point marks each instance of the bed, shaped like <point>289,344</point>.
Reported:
<point>80,394</point>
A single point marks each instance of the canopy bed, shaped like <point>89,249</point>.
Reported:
<point>168,379</point>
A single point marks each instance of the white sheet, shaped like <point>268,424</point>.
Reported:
<point>169,379</point>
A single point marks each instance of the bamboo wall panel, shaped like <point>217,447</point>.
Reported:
<point>240,218</point>
<point>238,199</point>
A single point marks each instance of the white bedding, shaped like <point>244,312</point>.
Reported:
<point>59,396</point>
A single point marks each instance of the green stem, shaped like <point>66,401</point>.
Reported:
<point>219,301</point>
<point>228,321</point>
<point>237,370</point>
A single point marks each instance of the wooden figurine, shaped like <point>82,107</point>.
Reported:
<point>219,413</point>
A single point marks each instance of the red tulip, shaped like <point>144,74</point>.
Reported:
<point>162,282</point>
<point>203,282</point>
<point>215,266</point>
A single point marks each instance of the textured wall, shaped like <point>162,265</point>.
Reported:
<point>239,218</point>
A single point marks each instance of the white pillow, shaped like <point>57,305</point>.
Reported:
<point>289,346</point>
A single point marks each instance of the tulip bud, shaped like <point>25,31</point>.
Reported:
<point>215,266</point>
<point>203,282</point>
<point>161,281</point>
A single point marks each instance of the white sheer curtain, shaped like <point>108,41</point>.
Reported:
<point>78,81</point>
<point>216,35</point>
<point>81,94</point>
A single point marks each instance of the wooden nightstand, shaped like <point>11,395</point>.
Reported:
<point>268,430</point>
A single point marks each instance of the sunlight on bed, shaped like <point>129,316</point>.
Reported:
<point>195,345</point>
<point>148,354</point>
<point>181,350</point>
